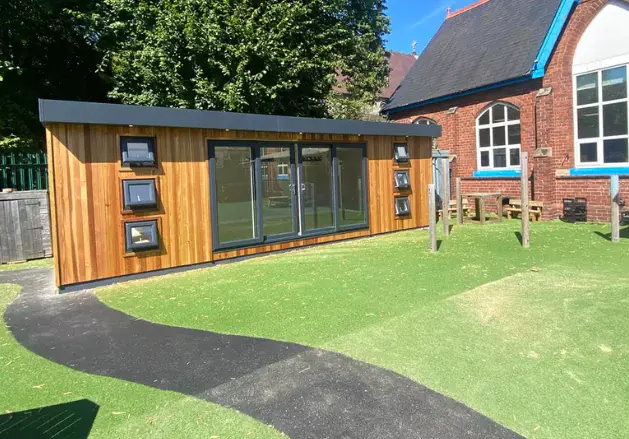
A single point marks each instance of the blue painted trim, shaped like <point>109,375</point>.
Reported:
<point>537,71</point>
<point>508,173</point>
<point>457,95</point>
<point>552,37</point>
<point>603,172</point>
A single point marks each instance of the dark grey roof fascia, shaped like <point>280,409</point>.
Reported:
<point>53,111</point>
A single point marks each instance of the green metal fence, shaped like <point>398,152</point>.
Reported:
<point>23,171</point>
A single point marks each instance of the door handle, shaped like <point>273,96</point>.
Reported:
<point>303,187</point>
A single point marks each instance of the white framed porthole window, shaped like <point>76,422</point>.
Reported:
<point>498,138</point>
<point>601,118</point>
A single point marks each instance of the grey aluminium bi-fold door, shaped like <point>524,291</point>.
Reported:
<point>263,192</point>
<point>253,193</point>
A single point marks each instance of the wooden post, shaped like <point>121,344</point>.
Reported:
<point>524,195</point>
<point>615,198</point>
<point>459,202</point>
<point>445,195</point>
<point>432,216</point>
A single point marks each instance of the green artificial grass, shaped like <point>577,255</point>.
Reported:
<point>126,410</point>
<point>35,263</point>
<point>536,339</point>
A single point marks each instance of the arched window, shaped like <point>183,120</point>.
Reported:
<point>601,107</point>
<point>424,121</point>
<point>498,137</point>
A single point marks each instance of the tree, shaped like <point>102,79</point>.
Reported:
<point>45,52</point>
<point>257,56</point>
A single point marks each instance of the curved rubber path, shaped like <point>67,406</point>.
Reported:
<point>301,391</point>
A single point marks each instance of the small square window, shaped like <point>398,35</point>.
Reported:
<point>402,180</point>
<point>500,137</point>
<point>402,206</point>
<point>484,159</point>
<point>400,152</point>
<point>141,235</point>
<point>589,152</point>
<point>137,151</point>
<point>139,194</point>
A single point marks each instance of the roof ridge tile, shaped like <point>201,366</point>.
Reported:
<point>465,9</point>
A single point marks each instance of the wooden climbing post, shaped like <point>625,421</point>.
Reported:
<point>432,215</point>
<point>524,196</point>
<point>445,195</point>
<point>459,202</point>
<point>615,201</point>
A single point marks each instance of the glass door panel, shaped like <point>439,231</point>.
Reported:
<point>236,195</point>
<point>279,213</point>
<point>316,187</point>
<point>351,186</point>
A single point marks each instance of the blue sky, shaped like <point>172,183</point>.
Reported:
<point>417,20</point>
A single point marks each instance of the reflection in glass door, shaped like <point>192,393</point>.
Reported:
<point>279,212</point>
<point>235,194</point>
<point>316,188</point>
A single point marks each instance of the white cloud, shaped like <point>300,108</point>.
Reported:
<point>440,9</point>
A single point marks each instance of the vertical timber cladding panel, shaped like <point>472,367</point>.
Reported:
<point>381,187</point>
<point>87,205</point>
<point>50,150</point>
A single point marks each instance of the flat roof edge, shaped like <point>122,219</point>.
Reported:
<point>55,111</point>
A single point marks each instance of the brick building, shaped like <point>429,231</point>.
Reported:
<point>544,76</point>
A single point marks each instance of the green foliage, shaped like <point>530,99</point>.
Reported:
<point>345,106</point>
<point>45,52</point>
<point>258,56</point>
<point>272,57</point>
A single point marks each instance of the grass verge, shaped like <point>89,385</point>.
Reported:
<point>535,339</point>
<point>35,263</point>
<point>28,381</point>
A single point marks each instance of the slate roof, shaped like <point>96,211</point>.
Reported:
<point>491,42</point>
<point>399,65</point>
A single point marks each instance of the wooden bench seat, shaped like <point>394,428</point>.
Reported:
<point>452,208</point>
<point>535,209</point>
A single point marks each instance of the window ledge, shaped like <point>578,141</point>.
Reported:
<point>599,172</point>
<point>507,173</point>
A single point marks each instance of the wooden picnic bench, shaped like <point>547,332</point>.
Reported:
<point>515,209</point>
<point>452,207</point>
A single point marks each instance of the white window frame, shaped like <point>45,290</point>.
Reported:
<point>421,119</point>
<point>599,163</point>
<point>491,148</point>
<point>282,169</point>
<point>428,121</point>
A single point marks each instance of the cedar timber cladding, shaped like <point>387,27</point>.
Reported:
<point>88,215</point>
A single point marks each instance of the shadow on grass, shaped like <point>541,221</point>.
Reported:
<point>439,244</point>
<point>624,234</point>
<point>518,235</point>
<point>72,420</point>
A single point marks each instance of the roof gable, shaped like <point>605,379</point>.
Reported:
<point>492,42</point>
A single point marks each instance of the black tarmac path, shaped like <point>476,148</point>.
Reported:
<point>301,391</point>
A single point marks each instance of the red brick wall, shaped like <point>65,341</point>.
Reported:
<point>595,190</point>
<point>554,129</point>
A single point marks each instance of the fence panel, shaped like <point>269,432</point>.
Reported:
<point>24,226</point>
<point>23,171</point>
